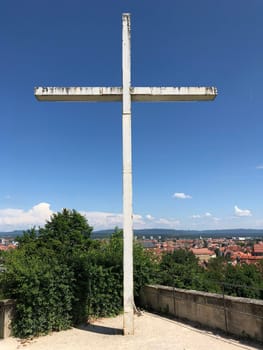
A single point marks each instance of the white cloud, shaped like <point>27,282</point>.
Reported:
<point>181,195</point>
<point>15,219</point>
<point>205,215</point>
<point>196,216</point>
<point>168,223</point>
<point>242,212</point>
<point>19,219</point>
<point>216,219</point>
<point>259,167</point>
<point>103,220</point>
<point>106,220</point>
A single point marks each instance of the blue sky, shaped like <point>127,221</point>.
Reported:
<point>196,165</point>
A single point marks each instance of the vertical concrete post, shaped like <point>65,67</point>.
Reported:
<point>6,313</point>
<point>128,325</point>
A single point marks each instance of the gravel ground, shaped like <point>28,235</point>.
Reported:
<point>152,332</point>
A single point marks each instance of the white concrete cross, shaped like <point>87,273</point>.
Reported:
<point>126,94</point>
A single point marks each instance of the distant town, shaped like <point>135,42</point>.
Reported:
<point>237,249</point>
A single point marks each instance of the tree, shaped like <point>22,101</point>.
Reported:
<point>42,274</point>
<point>99,278</point>
<point>145,268</point>
<point>180,269</point>
<point>42,288</point>
<point>59,276</point>
<point>66,232</point>
<point>214,275</point>
<point>243,281</point>
<point>1,274</point>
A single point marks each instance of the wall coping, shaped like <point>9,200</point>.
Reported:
<point>207,294</point>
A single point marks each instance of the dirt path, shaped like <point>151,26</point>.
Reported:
<point>151,333</point>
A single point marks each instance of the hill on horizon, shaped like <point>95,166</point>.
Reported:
<point>167,233</point>
<point>187,233</point>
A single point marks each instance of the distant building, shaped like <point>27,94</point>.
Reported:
<point>258,249</point>
<point>203,254</point>
<point>2,241</point>
<point>148,244</point>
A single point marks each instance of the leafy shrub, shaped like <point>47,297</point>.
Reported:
<point>101,275</point>
<point>180,269</point>
<point>42,289</point>
<point>60,277</point>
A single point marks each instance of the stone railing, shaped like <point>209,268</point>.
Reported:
<point>238,316</point>
<point>6,312</point>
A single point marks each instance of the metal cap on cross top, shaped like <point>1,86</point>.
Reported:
<point>126,94</point>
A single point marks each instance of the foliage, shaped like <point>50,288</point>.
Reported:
<point>145,268</point>
<point>243,281</point>
<point>2,295</point>
<point>180,269</point>
<point>69,228</point>
<point>104,274</point>
<point>1,274</point>
<point>40,274</point>
<point>214,275</point>
<point>260,268</point>
<point>43,294</point>
<point>59,276</point>
<point>98,274</point>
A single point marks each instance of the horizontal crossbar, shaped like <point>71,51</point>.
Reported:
<point>113,94</point>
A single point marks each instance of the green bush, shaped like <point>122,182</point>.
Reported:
<point>97,288</point>
<point>59,276</point>
<point>2,296</point>
<point>104,273</point>
<point>42,289</point>
<point>181,269</point>
<point>40,274</point>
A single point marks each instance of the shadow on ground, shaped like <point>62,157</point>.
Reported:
<point>95,328</point>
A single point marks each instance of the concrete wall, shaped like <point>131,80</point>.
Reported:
<point>6,312</point>
<point>239,316</point>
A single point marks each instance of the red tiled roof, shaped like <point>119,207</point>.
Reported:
<point>251,259</point>
<point>258,248</point>
<point>234,248</point>
<point>6,247</point>
<point>201,251</point>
